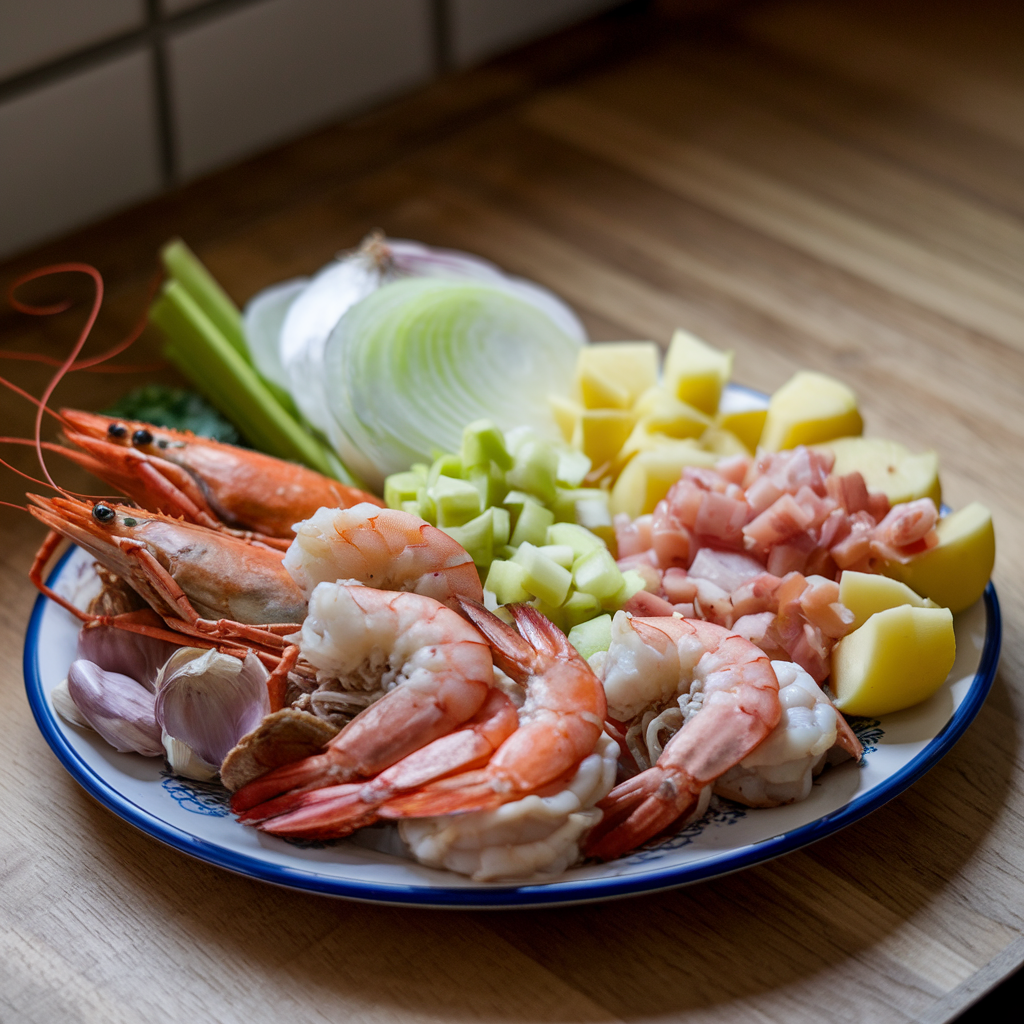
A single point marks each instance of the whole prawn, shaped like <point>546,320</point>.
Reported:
<point>740,708</point>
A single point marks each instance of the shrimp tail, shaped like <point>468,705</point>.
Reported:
<point>310,773</point>
<point>470,791</point>
<point>638,809</point>
<point>329,813</point>
<point>517,654</point>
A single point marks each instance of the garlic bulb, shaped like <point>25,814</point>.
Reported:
<point>208,701</point>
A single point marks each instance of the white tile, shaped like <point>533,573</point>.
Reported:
<point>481,28</point>
<point>77,149</point>
<point>260,74</point>
<point>33,32</point>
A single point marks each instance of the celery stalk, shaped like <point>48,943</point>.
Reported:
<point>203,354</point>
<point>186,268</point>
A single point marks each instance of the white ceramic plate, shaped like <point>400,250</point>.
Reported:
<point>371,866</point>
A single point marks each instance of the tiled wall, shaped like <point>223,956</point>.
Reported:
<point>106,102</point>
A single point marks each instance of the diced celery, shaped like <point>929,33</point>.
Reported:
<point>489,481</point>
<point>444,465</point>
<point>581,541</point>
<point>421,469</point>
<point>534,469</point>
<point>573,466</point>
<point>515,500</point>
<point>477,537</point>
<point>501,521</point>
<point>555,613</point>
<point>457,501</point>
<point>592,636</point>
<point>482,444</point>
<point>505,581</point>
<point>560,553</point>
<point>427,506</point>
<point>632,583</point>
<point>596,573</point>
<point>579,607</point>
<point>412,507</point>
<point>542,577</point>
<point>566,500</point>
<point>594,515</point>
<point>532,524</point>
<point>401,487</point>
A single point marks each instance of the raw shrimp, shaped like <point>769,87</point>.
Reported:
<point>780,769</point>
<point>432,666</point>
<point>559,724</point>
<point>738,696</point>
<point>534,838</point>
<point>383,548</point>
<point>182,570</point>
<point>336,811</point>
<point>206,481</point>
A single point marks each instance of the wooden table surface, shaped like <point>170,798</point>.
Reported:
<point>838,186</point>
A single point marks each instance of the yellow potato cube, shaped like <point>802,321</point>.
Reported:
<point>600,433</point>
<point>649,474</point>
<point>865,593</point>
<point>722,442</point>
<point>810,408</point>
<point>888,466</point>
<point>955,572</point>
<point>566,413</point>
<point>898,658</point>
<point>663,413</point>
<point>743,413</point>
<point>614,374</point>
<point>696,372</point>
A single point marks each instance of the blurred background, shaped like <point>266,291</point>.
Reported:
<point>104,103</point>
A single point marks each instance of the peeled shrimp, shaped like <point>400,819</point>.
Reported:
<point>383,548</point>
<point>738,695</point>
<point>433,667</point>
<point>781,769</point>
<point>534,838</point>
<point>559,724</point>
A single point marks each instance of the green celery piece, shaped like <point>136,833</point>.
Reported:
<point>187,269</point>
<point>201,352</point>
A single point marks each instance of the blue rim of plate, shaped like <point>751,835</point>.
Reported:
<point>507,897</point>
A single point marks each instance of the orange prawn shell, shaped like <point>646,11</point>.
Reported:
<point>237,486</point>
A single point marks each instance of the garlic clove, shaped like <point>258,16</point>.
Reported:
<point>116,706</point>
<point>60,698</point>
<point>131,654</point>
<point>183,760</point>
<point>209,700</point>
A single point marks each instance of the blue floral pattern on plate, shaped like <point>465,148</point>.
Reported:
<point>206,798</point>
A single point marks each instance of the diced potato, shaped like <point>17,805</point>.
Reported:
<point>722,442</point>
<point>865,593</point>
<point>597,392</point>
<point>696,372</point>
<point>955,572</point>
<point>626,368</point>
<point>742,413</point>
<point>888,466</point>
<point>649,474</point>
<point>808,409</point>
<point>600,433</point>
<point>663,413</point>
<point>566,413</point>
<point>898,658</point>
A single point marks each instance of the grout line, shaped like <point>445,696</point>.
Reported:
<point>162,96</point>
<point>442,22</point>
<point>155,28</point>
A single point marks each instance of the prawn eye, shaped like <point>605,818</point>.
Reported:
<point>142,436</point>
<point>103,513</point>
<point>117,430</point>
